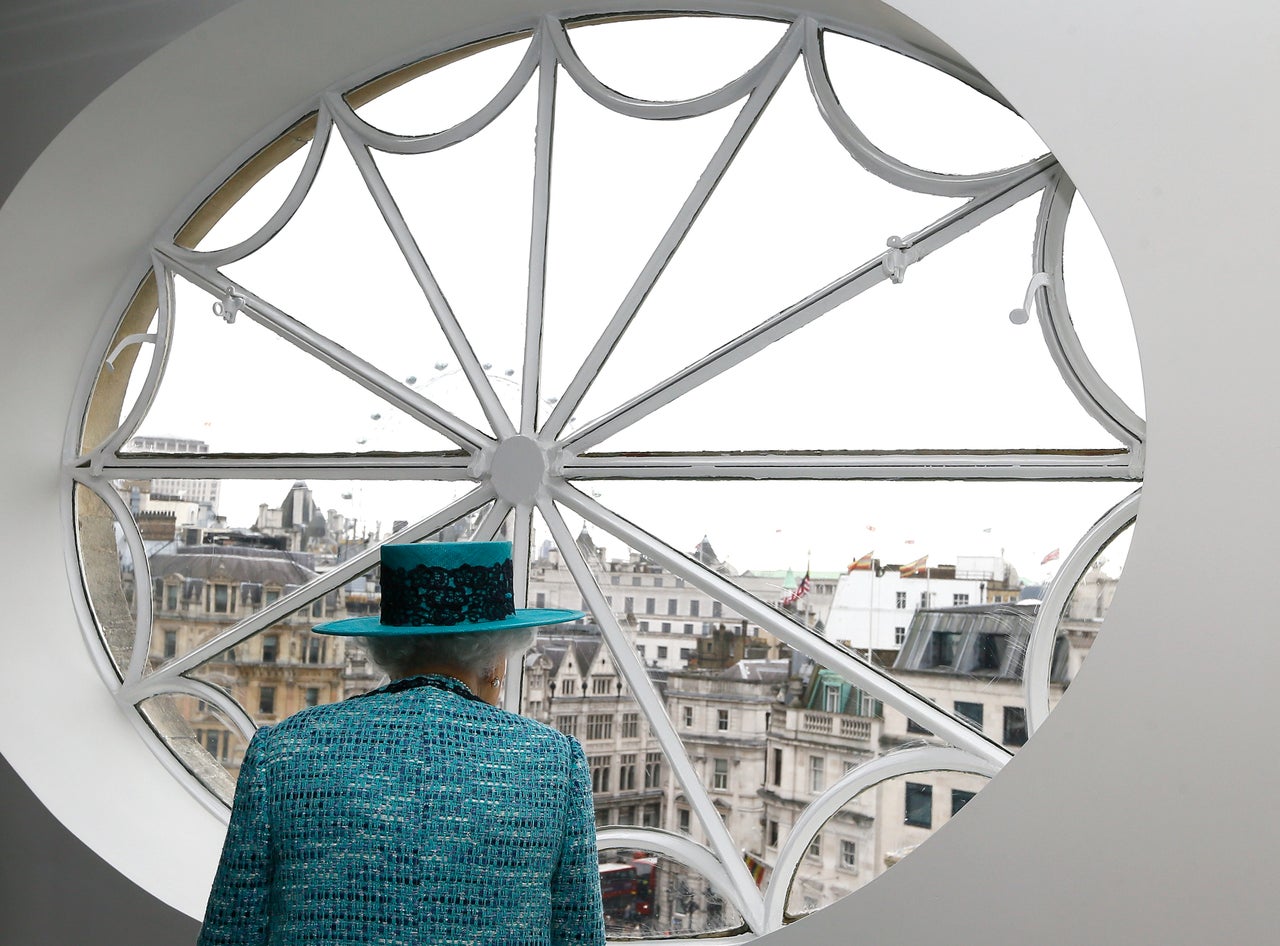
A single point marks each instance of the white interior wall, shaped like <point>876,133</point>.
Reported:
<point>1140,813</point>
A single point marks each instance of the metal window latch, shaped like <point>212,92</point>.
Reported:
<point>898,257</point>
<point>229,306</point>
<point>137,338</point>
<point>1020,316</point>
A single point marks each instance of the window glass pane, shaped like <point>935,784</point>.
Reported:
<point>651,896</point>
<point>201,737</point>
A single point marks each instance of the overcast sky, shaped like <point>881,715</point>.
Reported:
<point>933,362</point>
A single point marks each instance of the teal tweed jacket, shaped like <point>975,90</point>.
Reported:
<point>416,813</point>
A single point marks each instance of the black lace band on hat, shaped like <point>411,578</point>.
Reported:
<point>430,595</point>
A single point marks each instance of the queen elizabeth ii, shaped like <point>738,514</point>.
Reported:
<point>419,812</point>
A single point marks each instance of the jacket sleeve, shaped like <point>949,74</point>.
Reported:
<point>577,917</point>
<point>237,913</point>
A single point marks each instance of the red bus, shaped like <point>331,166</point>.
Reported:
<point>618,890</point>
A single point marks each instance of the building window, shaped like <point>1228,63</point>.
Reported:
<point>673,606</point>
<point>831,698</point>
<point>627,814</point>
<point>311,696</point>
<point>662,653</point>
<point>171,597</point>
<point>959,799</point>
<point>815,847</point>
<point>900,599</point>
<point>629,605</point>
<point>694,607</point>
<point>599,765</point>
<point>650,605</point>
<point>540,600</point>
<point>686,654</point>
<point>899,636</point>
<point>270,648</point>
<point>682,817</point>
<point>666,627</point>
<point>688,628</point>
<point>600,686</point>
<point>1015,726</point>
<point>817,773</point>
<point>717,609</point>
<point>913,726</point>
<point>221,599</point>
<point>924,599</point>
<point>630,725</point>
<point>970,711</point>
<point>919,806</point>
<point>615,579</point>
<point>777,766</point>
<point>635,579</point>
<point>652,769</point>
<point>644,626</point>
<point>722,720</point>
<point>170,643</point>
<point>640,650</point>
<point>849,854</point>
<point>773,833</point>
<point>720,775</point>
<point>569,687</point>
<point>627,774</point>
<point>649,816</point>
<point>688,716</point>
<point>959,601</point>
<point>567,725</point>
<point>267,700</point>
<point>600,726</point>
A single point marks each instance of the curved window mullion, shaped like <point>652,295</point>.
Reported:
<point>329,581</point>
<point>283,214</point>
<point>392,143</point>
<point>848,787</point>
<point>163,341</point>
<point>1093,393</point>
<point>632,107</point>
<point>334,355</point>
<point>675,233</point>
<point>855,465</point>
<point>849,666</point>
<point>742,888</point>
<point>390,210</point>
<point>1039,658</point>
<point>150,687</point>
<point>881,163</point>
<point>932,237</point>
<point>141,570</point>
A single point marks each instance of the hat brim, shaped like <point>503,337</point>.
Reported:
<point>372,626</point>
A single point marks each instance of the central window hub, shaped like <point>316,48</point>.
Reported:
<point>518,469</point>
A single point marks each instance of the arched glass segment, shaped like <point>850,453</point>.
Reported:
<point>769,372</point>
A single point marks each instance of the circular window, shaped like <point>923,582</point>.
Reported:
<point>763,359</point>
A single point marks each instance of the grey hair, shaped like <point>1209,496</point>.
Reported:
<point>478,651</point>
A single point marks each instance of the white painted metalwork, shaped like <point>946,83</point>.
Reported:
<point>853,668</point>
<point>848,787</point>
<point>741,888</point>
<point>779,62</point>
<point>531,463</point>
<point>933,237</point>
<point>1105,406</point>
<point>1039,657</point>
<point>276,222</point>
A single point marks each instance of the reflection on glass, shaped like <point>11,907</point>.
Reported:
<point>202,738</point>
<point>650,896</point>
<point>107,565</point>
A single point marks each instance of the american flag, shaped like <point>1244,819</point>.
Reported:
<point>802,589</point>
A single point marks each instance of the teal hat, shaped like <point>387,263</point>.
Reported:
<point>446,588</point>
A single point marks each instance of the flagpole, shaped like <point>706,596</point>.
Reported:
<point>871,593</point>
